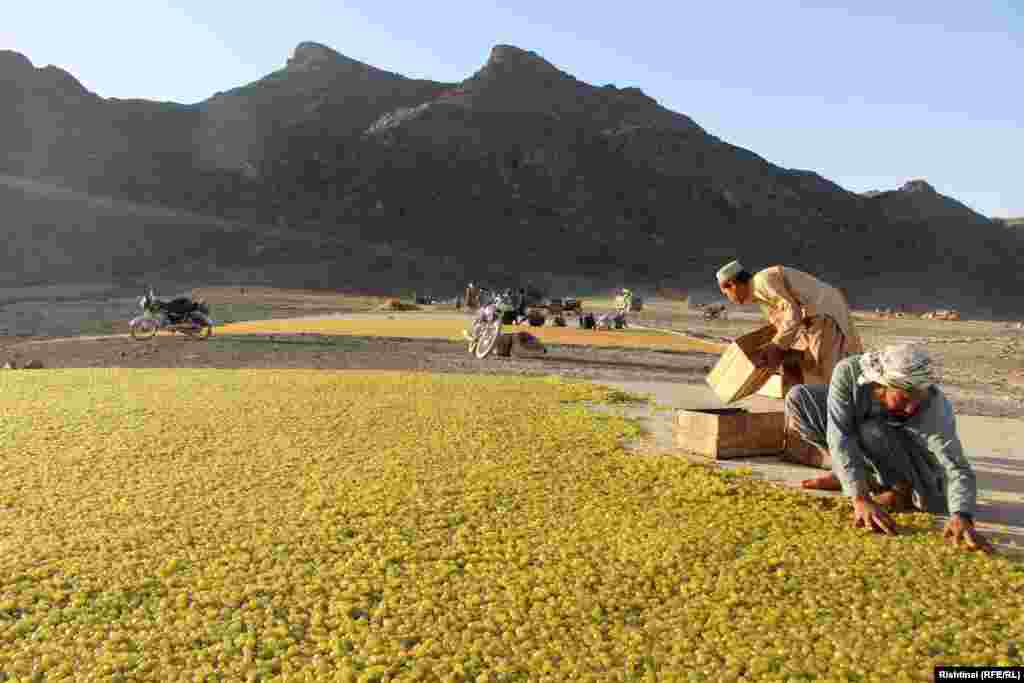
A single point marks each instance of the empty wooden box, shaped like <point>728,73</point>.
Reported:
<point>721,433</point>
<point>734,376</point>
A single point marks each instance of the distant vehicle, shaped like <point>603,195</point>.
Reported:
<point>495,307</point>
<point>183,315</point>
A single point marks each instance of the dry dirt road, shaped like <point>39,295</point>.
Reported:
<point>349,352</point>
<point>977,374</point>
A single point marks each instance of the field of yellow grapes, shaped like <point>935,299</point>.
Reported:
<point>302,525</point>
<point>451,328</point>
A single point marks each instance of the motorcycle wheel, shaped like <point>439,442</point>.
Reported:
<point>487,339</point>
<point>474,336</point>
<point>144,330</point>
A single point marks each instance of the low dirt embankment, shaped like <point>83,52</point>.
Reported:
<point>981,362</point>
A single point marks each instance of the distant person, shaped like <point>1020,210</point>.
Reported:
<point>472,297</point>
<point>890,436</point>
<point>627,300</point>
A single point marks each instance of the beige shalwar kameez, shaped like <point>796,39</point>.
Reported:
<point>812,320</point>
<point>815,329</point>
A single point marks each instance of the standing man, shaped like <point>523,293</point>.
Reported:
<point>627,299</point>
<point>814,329</point>
<point>890,434</point>
<point>624,305</point>
<point>472,297</point>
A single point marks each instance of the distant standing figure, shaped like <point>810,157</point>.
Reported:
<point>625,302</point>
<point>472,297</point>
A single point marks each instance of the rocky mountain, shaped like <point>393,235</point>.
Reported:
<point>918,199</point>
<point>519,171</point>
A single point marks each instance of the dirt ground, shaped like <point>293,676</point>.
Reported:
<point>978,359</point>
<point>337,352</point>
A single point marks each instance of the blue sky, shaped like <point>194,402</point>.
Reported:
<point>869,95</point>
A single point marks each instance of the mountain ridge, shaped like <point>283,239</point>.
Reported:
<point>598,183</point>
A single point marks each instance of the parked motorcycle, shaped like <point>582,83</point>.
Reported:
<point>495,307</point>
<point>182,315</point>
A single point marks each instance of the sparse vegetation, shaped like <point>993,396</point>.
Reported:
<point>96,327</point>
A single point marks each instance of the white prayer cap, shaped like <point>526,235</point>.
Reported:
<point>729,271</point>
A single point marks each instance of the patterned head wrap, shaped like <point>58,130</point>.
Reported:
<point>901,366</point>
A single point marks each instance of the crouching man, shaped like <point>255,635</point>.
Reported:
<point>890,435</point>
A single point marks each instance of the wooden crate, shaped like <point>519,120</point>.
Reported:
<point>722,433</point>
<point>734,376</point>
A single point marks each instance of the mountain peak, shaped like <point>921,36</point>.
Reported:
<point>918,185</point>
<point>510,69</point>
<point>510,56</point>
<point>310,55</point>
<point>19,68</point>
<point>12,62</point>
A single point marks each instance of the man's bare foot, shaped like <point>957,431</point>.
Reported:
<point>826,482</point>
<point>897,499</point>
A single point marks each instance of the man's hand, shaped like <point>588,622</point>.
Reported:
<point>769,356</point>
<point>962,529</point>
<point>869,515</point>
